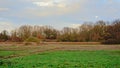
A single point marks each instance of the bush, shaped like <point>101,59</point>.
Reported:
<point>32,39</point>
<point>111,41</point>
<point>28,43</point>
<point>5,63</point>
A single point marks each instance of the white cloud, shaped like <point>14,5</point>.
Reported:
<point>51,7</point>
<point>43,4</point>
<point>51,3</point>
<point>4,9</point>
<point>6,26</point>
<point>96,17</point>
<point>75,25</point>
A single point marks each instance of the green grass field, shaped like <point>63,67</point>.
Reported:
<point>59,56</point>
<point>65,59</point>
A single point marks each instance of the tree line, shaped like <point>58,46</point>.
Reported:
<point>100,31</point>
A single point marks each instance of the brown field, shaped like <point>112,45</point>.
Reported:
<point>32,48</point>
<point>58,46</point>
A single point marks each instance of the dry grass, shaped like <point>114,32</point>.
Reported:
<point>57,46</point>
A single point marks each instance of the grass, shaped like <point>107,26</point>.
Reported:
<point>7,53</point>
<point>66,59</point>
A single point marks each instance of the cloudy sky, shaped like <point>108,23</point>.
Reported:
<point>56,13</point>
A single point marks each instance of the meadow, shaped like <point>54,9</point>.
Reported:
<point>59,56</point>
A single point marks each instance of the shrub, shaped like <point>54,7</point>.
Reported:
<point>111,41</point>
<point>32,39</point>
<point>28,43</point>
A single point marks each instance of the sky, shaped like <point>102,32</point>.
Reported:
<point>56,13</point>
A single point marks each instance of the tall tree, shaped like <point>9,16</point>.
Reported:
<point>4,35</point>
